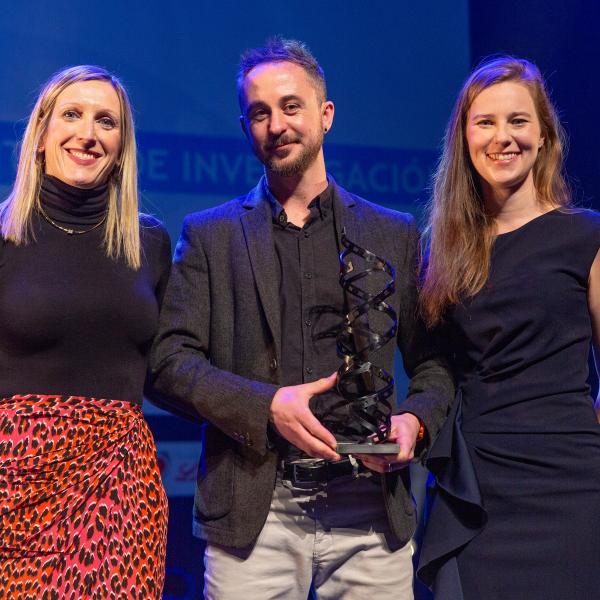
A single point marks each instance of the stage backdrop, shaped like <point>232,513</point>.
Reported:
<point>393,69</point>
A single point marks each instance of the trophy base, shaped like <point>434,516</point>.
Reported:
<point>366,448</point>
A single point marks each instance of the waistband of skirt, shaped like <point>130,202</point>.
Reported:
<point>63,405</point>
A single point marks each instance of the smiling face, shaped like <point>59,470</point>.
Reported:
<point>83,140</point>
<point>504,137</point>
<point>284,118</point>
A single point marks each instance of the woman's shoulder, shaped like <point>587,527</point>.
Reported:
<point>154,236</point>
<point>574,234</point>
<point>152,228</point>
<point>578,217</point>
<point>148,221</point>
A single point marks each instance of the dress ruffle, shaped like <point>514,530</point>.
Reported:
<point>456,514</point>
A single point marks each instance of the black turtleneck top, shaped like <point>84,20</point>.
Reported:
<point>72,320</point>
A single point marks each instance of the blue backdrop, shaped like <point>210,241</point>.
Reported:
<point>393,69</point>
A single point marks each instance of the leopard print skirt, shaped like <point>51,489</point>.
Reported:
<point>83,513</point>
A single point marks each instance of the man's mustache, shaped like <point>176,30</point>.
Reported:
<point>281,141</point>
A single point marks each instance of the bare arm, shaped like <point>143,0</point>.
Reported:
<point>594,305</point>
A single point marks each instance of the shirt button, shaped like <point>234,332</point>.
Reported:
<point>309,370</point>
<point>308,275</point>
<point>282,218</point>
<point>273,364</point>
<point>308,322</point>
<point>306,234</point>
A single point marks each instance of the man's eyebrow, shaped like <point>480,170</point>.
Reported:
<point>290,97</point>
<point>253,105</point>
<point>283,100</point>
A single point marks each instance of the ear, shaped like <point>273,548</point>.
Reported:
<point>42,142</point>
<point>541,142</point>
<point>243,126</point>
<point>327,110</point>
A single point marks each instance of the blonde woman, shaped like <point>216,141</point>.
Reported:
<point>514,282</point>
<point>83,512</point>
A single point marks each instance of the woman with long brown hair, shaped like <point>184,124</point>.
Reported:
<point>513,283</point>
<point>83,513</point>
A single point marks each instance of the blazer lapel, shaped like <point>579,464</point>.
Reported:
<point>349,218</point>
<point>258,233</point>
<point>345,220</point>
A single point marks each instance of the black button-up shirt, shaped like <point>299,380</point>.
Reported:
<point>312,304</point>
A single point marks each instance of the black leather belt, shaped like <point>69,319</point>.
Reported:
<point>317,471</point>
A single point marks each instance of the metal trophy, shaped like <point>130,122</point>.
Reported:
<point>369,325</point>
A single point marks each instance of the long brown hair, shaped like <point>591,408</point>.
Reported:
<point>122,236</point>
<point>459,231</point>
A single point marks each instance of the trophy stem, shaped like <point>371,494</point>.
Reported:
<point>366,387</point>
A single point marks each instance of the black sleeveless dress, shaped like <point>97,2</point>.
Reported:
<point>517,510</point>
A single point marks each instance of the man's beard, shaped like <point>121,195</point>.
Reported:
<point>299,165</point>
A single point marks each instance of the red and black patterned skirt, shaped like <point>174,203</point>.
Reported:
<point>83,513</point>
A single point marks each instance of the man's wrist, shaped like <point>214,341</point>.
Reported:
<point>422,430</point>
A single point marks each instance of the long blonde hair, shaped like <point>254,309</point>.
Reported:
<point>122,235</point>
<point>459,230</point>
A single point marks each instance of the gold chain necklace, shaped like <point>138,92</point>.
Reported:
<point>68,230</point>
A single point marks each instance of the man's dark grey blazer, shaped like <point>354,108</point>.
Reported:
<point>216,357</point>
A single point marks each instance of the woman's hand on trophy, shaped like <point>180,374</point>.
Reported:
<point>404,431</point>
<point>293,419</point>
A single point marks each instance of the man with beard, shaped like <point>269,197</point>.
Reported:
<point>245,346</point>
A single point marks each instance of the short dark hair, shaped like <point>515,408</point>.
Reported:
<point>279,49</point>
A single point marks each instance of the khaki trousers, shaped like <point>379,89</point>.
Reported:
<point>334,536</point>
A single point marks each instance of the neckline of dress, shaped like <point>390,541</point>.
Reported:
<point>535,219</point>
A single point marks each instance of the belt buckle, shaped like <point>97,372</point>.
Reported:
<point>297,469</point>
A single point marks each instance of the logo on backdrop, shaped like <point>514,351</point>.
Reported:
<point>178,464</point>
